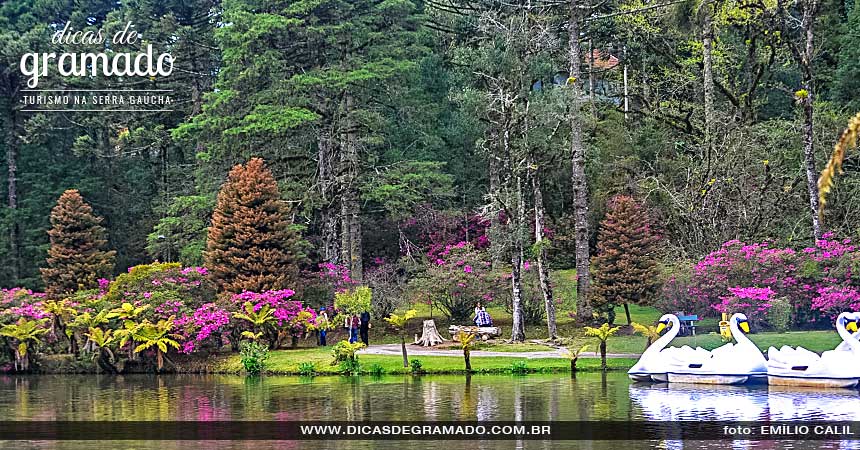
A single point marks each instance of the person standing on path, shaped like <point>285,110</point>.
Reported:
<point>322,320</point>
<point>365,326</point>
<point>354,324</point>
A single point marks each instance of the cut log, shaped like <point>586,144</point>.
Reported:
<point>430,335</point>
<point>483,332</point>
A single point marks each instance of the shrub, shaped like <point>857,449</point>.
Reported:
<point>457,279</point>
<point>376,370</point>
<point>779,315</point>
<point>343,354</point>
<point>354,301</point>
<point>254,356</point>
<point>416,366</point>
<point>519,368</point>
<point>818,281</point>
<point>307,369</point>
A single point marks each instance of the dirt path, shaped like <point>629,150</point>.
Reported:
<point>414,350</point>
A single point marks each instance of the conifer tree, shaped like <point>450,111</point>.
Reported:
<point>78,255</point>
<point>625,264</point>
<point>251,244</point>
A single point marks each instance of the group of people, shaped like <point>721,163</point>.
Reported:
<point>359,324</point>
<point>359,327</point>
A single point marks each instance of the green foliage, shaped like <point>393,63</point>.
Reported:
<point>519,368</point>
<point>779,314</point>
<point>376,370</point>
<point>307,369</point>
<point>254,356</point>
<point>404,186</point>
<point>344,356</point>
<point>399,321</point>
<point>181,233</point>
<point>137,279</point>
<point>353,301</point>
<point>416,367</point>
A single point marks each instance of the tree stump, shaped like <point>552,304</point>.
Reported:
<point>430,335</point>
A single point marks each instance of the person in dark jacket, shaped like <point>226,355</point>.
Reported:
<point>365,326</point>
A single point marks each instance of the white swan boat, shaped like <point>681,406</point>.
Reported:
<point>654,361</point>
<point>832,369</point>
<point>727,364</point>
<point>800,403</point>
<point>679,401</point>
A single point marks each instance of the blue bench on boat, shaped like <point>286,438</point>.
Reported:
<point>688,324</point>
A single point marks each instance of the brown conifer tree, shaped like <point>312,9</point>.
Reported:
<point>78,256</point>
<point>251,244</point>
<point>625,267</point>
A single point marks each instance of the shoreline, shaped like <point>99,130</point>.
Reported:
<point>289,362</point>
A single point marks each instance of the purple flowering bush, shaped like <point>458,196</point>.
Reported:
<point>817,281</point>
<point>457,279</point>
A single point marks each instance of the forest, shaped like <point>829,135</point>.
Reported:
<point>412,142</point>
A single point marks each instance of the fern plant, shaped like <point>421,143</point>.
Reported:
<point>602,334</point>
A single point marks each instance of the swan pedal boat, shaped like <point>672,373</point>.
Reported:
<point>728,364</point>
<point>838,368</point>
<point>653,363</point>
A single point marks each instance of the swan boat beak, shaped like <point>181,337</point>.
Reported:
<point>851,326</point>
<point>660,327</point>
<point>745,326</point>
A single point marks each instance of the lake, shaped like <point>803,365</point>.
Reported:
<point>481,397</point>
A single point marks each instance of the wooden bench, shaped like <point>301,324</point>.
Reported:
<point>484,333</point>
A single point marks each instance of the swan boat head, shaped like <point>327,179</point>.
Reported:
<point>740,319</point>
<point>652,364</point>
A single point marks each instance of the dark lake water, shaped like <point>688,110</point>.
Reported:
<point>481,397</point>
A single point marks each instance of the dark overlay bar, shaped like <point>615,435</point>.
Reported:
<point>396,430</point>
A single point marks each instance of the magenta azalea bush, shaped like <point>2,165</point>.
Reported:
<point>818,281</point>
<point>457,279</point>
<point>152,294</point>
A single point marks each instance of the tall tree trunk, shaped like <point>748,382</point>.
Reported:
<point>495,232</point>
<point>708,75</point>
<point>518,328</point>
<point>11,142</point>
<point>578,180</point>
<point>350,223</point>
<point>807,23</point>
<point>403,348</point>
<point>327,189</point>
<point>543,264</point>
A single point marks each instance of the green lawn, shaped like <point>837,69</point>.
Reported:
<point>286,362</point>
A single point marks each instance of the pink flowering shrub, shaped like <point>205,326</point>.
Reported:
<point>168,288</point>
<point>19,303</point>
<point>818,281</point>
<point>290,317</point>
<point>457,279</point>
<point>431,231</point>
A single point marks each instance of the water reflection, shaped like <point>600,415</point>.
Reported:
<point>479,397</point>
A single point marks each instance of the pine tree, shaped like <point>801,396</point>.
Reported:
<point>251,244</point>
<point>625,264</point>
<point>78,255</point>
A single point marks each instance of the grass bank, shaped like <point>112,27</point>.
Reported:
<point>286,362</point>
